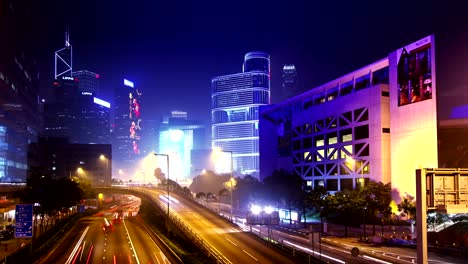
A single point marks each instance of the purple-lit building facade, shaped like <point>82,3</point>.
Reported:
<point>377,123</point>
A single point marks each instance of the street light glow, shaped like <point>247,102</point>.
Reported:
<point>255,209</point>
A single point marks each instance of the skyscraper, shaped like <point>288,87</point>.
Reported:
<point>87,81</point>
<point>127,127</point>
<point>236,99</point>
<point>178,136</point>
<point>78,116</point>
<point>19,119</point>
<point>290,81</point>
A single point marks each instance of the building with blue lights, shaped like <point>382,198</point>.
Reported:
<point>236,99</point>
<point>19,76</point>
<point>178,137</point>
<point>377,123</point>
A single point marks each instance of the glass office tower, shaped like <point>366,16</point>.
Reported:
<point>236,99</point>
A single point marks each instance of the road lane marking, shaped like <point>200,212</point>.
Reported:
<point>130,240</point>
<point>250,255</point>
<point>231,241</point>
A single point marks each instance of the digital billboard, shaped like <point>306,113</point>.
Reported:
<point>134,102</point>
<point>415,78</point>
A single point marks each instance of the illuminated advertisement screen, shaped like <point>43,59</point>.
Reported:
<point>414,75</point>
<point>134,101</point>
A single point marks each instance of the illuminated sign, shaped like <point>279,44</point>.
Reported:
<point>101,102</point>
<point>67,78</point>
<point>128,83</point>
<point>86,93</point>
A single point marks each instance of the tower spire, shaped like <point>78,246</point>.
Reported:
<point>63,58</point>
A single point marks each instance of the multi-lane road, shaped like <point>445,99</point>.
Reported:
<point>100,239</point>
<point>231,243</point>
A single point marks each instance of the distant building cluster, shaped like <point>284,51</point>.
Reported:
<point>377,123</point>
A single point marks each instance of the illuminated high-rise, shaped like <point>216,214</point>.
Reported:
<point>87,81</point>
<point>236,99</point>
<point>127,129</point>
<point>178,136</point>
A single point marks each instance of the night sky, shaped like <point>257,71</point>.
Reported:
<point>172,49</point>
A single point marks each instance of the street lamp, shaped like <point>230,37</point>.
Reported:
<point>103,157</point>
<point>231,179</point>
<point>167,181</point>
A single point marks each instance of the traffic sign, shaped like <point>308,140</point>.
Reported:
<point>24,221</point>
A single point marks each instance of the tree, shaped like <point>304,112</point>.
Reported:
<point>376,200</point>
<point>248,191</point>
<point>348,205</point>
<point>408,206</point>
<point>284,188</point>
<point>316,201</point>
<point>159,175</point>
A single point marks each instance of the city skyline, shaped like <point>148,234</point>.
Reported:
<point>168,48</point>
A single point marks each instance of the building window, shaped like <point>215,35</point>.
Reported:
<point>385,130</point>
<point>318,183</point>
<point>361,132</point>
<point>347,88</point>
<point>319,141</point>
<point>361,115</point>
<point>307,142</point>
<point>346,184</point>
<point>380,76</point>
<point>385,94</point>
<point>346,135</point>
<point>346,151</point>
<point>362,82</point>
<point>332,153</point>
<point>332,185</point>
<point>320,155</point>
<point>332,138</point>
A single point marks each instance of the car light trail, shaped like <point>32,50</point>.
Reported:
<point>89,254</point>
<point>311,251</point>
<point>376,260</point>
<point>77,247</point>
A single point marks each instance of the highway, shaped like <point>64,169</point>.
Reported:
<point>99,239</point>
<point>229,241</point>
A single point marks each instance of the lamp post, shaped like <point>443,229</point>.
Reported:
<point>104,158</point>
<point>167,182</point>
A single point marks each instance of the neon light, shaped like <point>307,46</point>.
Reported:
<point>67,78</point>
<point>86,93</point>
<point>101,102</point>
<point>97,76</point>
<point>128,83</point>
